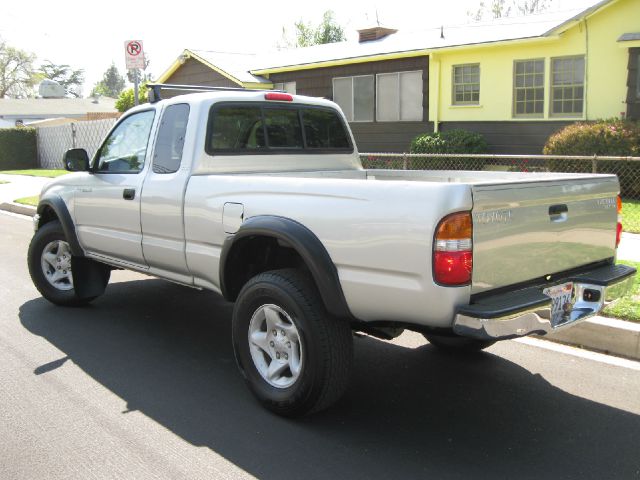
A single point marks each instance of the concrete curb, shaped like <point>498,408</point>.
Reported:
<point>18,208</point>
<point>607,335</point>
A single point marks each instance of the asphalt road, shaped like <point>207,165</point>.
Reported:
<point>142,384</point>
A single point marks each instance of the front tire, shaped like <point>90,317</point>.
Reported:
<point>295,357</point>
<point>49,261</point>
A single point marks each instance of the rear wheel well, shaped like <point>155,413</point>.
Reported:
<point>253,255</point>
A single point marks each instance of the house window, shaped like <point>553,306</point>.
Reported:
<point>355,97</point>
<point>466,84</point>
<point>528,88</point>
<point>289,87</point>
<point>399,96</point>
<point>567,86</point>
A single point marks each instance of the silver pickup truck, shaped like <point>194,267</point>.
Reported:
<point>261,197</point>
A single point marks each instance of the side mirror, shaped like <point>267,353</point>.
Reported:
<point>76,160</point>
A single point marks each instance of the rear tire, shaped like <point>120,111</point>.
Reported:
<point>460,344</point>
<point>295,357</point>
<point>49,261</point>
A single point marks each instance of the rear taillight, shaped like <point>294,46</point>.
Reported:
<point>452,250</point>
<point>282,97</point>
<point>619,225</point>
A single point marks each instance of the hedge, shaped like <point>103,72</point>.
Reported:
<point>611,137</point>
<point>18,148</point>
<point>451,141</point>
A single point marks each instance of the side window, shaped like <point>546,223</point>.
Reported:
<point>125,149</point>
<point>170,142</point>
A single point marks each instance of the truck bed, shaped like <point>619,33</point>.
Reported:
<point>387,219</point>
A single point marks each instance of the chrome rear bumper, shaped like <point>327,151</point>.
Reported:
<point>527,311</point>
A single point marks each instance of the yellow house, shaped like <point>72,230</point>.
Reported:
<point>515,80</point>
<point>578,70</point>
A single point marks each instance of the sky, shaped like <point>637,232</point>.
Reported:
<point>84,36</point>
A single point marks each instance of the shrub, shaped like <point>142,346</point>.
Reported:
<point>126,98</point>
<point>611,137</point>
<point>451,141</point>
<point>18,148</point>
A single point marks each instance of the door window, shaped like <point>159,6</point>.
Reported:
<point>125,148</point>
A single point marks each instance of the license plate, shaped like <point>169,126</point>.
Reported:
<point>561,301</point>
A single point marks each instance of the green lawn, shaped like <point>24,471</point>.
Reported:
<point>631,216</point>
<point>38,172</point>
<point>627,308</point>
<point>33,201</point>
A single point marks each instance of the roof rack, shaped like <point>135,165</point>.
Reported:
<point>155,88</point>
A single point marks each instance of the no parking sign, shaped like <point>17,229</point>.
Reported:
<point>134,54</point>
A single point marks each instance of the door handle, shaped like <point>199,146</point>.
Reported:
<point>129,193</point>
<point>558,213</point>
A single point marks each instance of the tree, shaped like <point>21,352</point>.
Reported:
<point>507,8</point>
<point>17,74</point>
<point>69,78</point>
<point>328,31</point>
<point>111,85</point>
<point>126,100</point>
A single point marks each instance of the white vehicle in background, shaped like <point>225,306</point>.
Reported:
<point>261,196</point>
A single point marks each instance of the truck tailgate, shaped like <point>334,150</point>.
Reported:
<point>526,230</point>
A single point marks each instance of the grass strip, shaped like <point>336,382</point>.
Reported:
<point>32,201</point>
<point>628,307</point>
<point>631,216</point>
<point>37,172</point>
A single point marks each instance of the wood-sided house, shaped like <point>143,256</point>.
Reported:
<point>516,80</point>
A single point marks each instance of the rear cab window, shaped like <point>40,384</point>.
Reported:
<point>256,128</point>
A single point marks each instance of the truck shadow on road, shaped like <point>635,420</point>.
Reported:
<point>409,413</point>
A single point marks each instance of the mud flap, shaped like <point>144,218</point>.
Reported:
<point>90,278</point>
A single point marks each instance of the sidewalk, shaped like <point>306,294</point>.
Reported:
<point>20,186</point>
<point>629,248</point>
<point>602,334</point>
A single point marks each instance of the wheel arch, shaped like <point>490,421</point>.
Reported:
<point>53,208</point>
<point>256,233</point>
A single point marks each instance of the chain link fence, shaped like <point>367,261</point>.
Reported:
<point>53,142</point>
<point>626,168</point>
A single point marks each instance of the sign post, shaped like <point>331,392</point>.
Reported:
<point>134,60</point>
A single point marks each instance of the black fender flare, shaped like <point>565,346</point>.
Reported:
<point>305,243</point>
<point>62,212</point>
